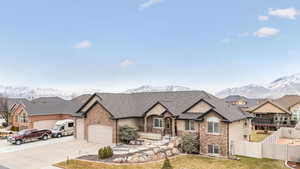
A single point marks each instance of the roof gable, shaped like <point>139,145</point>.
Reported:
<point>156,109</point>
<point>269,107</point>
<point>200,107</point>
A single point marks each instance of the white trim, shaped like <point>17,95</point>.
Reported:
<point>190,121</point>
<point>213,128</point>
<point>213,146</point>
<point>162,123</point>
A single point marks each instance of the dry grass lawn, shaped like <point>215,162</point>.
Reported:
<point>258,137</point>
<point>184,162</point>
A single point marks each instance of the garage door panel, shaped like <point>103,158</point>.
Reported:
<point>100,134</point>
<point>44,124</point>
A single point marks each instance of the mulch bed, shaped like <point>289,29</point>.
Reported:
<point>95,158</point>
<point>294,165</point>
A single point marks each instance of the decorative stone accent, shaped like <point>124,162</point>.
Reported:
<point>148,155</point>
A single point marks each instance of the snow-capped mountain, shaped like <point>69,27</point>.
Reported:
<point>32,93</point>
<point>279,87</point>
<point>148,88</point>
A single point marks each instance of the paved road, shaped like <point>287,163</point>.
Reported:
<point>42,154</point>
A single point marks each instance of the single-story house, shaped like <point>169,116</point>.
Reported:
<point>44,112</point>
<point>273,114</point>
<point>163,113</point>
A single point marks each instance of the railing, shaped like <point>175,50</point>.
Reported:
<point>259,120</point>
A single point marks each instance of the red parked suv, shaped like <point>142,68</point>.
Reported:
<point>29,135</point>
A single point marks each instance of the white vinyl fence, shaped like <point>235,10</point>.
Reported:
<point>269,147</point>
<point>245,148</point>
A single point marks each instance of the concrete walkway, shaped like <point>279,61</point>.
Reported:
<point>39,155</point>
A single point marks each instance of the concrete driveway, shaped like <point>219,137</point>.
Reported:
<point>42,154</point>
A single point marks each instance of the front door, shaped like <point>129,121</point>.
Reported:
<point>168,126</point>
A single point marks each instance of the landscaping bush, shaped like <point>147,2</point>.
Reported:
<point>167,164</point>
<point>4,124</point>
<point>105,152</point>
<point>190,143</point>
<point>14,128</point>
<point>128,134</point>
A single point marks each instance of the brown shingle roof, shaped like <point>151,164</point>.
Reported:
<point>288,100</point>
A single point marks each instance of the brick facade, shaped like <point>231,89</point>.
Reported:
<point>220,139</point>
<point>99,115</point>
<point>14,118</point>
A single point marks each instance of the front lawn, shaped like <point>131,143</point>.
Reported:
<point>258,136</point>
<point>184,162</point>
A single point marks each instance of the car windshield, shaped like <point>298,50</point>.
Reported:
<point>22,132</point>
<point>56,127</point>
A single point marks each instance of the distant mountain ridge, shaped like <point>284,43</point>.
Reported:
<point>149,88</point>
<point>33,93</point>
<point>282,86</point>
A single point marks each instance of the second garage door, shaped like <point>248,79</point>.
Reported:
<point>100,134</point>
<point>44,124</point>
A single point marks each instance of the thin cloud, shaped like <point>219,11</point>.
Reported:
<point>266,32</point>
<point>126,63</point>
<point>263,18</point>
<point>149,3</point>
<point>287,13</point>
<point>83,44</point>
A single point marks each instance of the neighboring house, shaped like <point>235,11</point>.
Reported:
<point>242,102</point>
<point>273,114</point>
<point>44,112</point>
<point>291,103</point>
<point>164,113</point>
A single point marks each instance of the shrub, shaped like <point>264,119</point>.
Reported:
<point>167,164</point>
<point>190,143</point>
<point>105,152</point>
<point>4,124</point>
<point>14,128</point>
<point>128,134</point>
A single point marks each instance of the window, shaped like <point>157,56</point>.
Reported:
<point>213,149</point>
<point>213,125</point>
<point>157,123</point>
<point>23,118</point>
<point>70,124</point>
<point>189,125</point>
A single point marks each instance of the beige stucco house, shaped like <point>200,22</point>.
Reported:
<point>273,114</point>
<point>166,114</point>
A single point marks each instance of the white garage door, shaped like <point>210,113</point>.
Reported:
<point>100,134</point>
<point>80,129</point>
<point>44,124</point>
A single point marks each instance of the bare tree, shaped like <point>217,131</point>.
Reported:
<point>4,112</point>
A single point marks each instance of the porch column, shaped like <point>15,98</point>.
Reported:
<point>145,124</point>
<point>173,126</point>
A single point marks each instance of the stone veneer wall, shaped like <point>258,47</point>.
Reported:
<point>221,139</point>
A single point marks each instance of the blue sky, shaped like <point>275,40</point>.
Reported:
<point>114,45</point>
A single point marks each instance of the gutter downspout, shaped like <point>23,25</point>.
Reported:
<point>116,131</point>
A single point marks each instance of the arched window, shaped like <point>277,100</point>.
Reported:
<point>213,124</point>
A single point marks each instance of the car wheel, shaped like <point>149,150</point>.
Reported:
<point>45,137</point>
<point>59,136</point>
<point>18,142</point>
